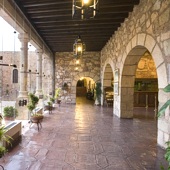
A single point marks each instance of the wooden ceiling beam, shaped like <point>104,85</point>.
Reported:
<point>35,4</point>
<point>78,28</point>
<point>108,19</point>
<point>53,21</point>
<point>69,25</point>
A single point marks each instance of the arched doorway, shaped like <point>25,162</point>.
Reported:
<point>108,86</point>
<point>85,90</point>
<point>146,87</point>
<point>138,82</point>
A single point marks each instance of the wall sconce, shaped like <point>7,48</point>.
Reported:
<point>78,47</point>
<point>84,9</point>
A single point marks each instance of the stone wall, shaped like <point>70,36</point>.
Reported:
<point>10,90</point>
<point>66,72</point>
<point>146,28</point>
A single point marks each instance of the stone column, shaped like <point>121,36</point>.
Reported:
<point>23,37</point>
<point>23,93</point>
<point>39,53</point>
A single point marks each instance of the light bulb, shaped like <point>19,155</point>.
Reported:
<point>86,1</point>
<point>79,49</point>
<point>77,61</point>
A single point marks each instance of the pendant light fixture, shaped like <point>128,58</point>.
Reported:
<point>84,9</point>
<point>78,47</point>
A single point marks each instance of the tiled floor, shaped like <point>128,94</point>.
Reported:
<point>88,137</point>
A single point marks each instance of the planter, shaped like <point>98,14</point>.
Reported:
<point>58,101</point>
<point>9,118</point>
<point>36,119</point>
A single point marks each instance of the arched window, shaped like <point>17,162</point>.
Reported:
<point>15,76</point>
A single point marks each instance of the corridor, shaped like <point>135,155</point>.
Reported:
<point>88,137</point>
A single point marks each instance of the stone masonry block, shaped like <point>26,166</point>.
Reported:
<point>165,36</point>
<point>166,45</point>
<point>163,125</point>
<point>128,47</point>
<point>129,69</point>
<point>124,91</point>
<point>157,56</point>
<point>126,114</point>
<point>127,81</point>
<point>162,80</point>
<point>160,138</point>
<point>130,91</point>
<point>134,41</point>
<point>141,39</point>
<point>166,137</point>
<point>149,43</point>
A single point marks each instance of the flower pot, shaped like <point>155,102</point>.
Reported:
<point>37,119</point>
<point>58,101</point>
<point>9,118</point>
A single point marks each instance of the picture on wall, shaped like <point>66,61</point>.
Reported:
<point>116,81</point>
<point>116,75</point>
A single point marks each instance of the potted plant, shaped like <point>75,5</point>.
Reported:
<point>50,107</point>
<point>36,117</point>
<point>3,138</point>
<point>52,99</point>
<point>98,93</point>
<point>10,113</point>
<point>161,113</point>
<point>57,95</point>
<point>33,101</point>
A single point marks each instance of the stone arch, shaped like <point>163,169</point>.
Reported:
<point>135,48</point>
<point>84,74</point>
<point>78,76</point>
<point>111,64</point>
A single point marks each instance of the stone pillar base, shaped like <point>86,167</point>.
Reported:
<point>23,94</point>
<point>40,103</point>
<point>38,92</point>
<point>22,110</point>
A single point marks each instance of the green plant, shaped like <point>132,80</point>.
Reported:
<point>3,150</point>
<point>49,103</point>
<point>10,111</point>
<point>36,115</point>
<point>167,103</point>
<point>160,113</point>
<point>52,99</point>
<point>98,91</point>
<point>3,137</point>
<point>33,100</point>
<point>57,93</point>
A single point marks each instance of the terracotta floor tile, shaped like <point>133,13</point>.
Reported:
<point>88,137</point>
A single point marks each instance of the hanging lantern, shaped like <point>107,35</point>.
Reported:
<point>84,9</point>
<point>78,47</point>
